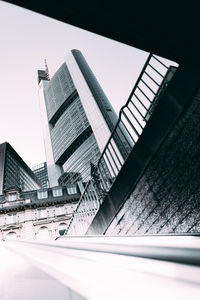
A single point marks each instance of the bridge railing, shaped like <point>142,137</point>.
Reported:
<point>133,117</point>
<point>86,209</point>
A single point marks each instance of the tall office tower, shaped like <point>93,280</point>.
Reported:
<point>14,172</point>
<point>69,178</point>
<point>77,118</point>
<point>41,172</point>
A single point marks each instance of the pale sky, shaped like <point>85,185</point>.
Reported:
<point>26,39</point>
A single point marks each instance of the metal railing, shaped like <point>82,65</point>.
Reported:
<point>86,209</point>
<point>133,117</point>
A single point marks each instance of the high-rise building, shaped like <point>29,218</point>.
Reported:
<point>77,118</point>
<point>41,172</point>
<point>69,177</point>
<point>14,172</point>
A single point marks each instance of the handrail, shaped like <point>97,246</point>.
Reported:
<point>124,106</point>
<point>176,248</point>
<point>130,100</point>
<point>109,268</point>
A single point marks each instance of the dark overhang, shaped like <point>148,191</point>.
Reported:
<point>167,29</point>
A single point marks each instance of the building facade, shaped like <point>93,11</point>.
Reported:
<point>77,118</point>
<point>42,215</point>
<point>14,172</point>
<point>41,172</point>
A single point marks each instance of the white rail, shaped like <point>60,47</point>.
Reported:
<point>101,268</point>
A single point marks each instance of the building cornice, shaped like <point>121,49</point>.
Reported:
<point>11,226</point>
<point>21,205</point>
<point>44,221</point>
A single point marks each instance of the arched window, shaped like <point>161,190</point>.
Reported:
<point>43,233</point>
<point>61,228</point>
<point>11,235</point>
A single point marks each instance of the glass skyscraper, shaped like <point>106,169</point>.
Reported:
<point>77,118</point>
<point>41,172</point>
<point>14,172</point>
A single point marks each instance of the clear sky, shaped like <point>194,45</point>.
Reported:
<point>26,39</point>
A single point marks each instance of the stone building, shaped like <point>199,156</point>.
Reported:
<point>40,214</point>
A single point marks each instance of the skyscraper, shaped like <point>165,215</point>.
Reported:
<point>77,118</point>
<point>14,172</point>
<point>41,172</point>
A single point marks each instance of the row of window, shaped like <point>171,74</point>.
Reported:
<point>41,214</point>
<point>58,192</point>
<point>42,234</point>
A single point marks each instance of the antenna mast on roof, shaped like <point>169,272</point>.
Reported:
<point>46,69</point>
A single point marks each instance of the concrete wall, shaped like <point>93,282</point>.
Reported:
<point>167,197</point>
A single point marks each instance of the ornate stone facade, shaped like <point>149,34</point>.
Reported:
<point>41,214</point>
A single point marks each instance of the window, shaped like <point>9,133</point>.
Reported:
<point>72,190</point>
<point>43,233</point>
<point>42,194</point>
<point>57,192</point>
<point>11,218</point>
<point>41,213</point>
<point>60,210</point>
<point>12,197</point>
<point>61,228</point>
<point>11,235</point>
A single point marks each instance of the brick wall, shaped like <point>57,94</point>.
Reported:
<point>167,197</point>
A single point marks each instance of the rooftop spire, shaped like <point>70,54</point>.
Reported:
<point>46,69</point>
